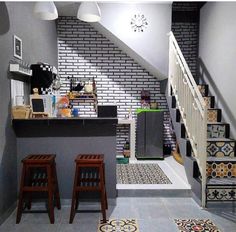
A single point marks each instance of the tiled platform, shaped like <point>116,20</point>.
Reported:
<point>174,171</point>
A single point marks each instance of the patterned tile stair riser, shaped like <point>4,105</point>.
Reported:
<point>213,115</point>
<point>221,193</point>
<point>200,225</point>
<point>210,101</point>
<point>203,90</point>
<point>221,152</point>
<point>217,131</point>
<point>221,149</point>
<point>219,169</point>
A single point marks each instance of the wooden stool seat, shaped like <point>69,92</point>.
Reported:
<point>89,176</point>
<point>39,175</point>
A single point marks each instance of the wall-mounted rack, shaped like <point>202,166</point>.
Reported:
<point>85,97</point>
<point>20,69</point>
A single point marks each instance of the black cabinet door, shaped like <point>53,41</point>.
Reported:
<point>153,134</point>
<point>141,140</point>
<point>150,135</point>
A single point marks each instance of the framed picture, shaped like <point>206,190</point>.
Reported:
<point>17,47</point>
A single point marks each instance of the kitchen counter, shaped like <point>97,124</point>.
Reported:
<point>68,137</point>
<point>58,127</point>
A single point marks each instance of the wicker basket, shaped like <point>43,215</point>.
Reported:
<point>21,112</point>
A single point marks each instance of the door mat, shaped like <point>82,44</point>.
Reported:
<point>198,225</point>
<point>119,225</point>
<point>140,174</point>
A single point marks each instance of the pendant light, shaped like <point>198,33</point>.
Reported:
<point>89,12</point>
<point>45,10</point>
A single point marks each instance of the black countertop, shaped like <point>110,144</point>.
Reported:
<point>64,127</point>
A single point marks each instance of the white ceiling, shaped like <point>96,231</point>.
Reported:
<point>68,8</point>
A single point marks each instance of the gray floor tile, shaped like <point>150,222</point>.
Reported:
<point>186,212</point>
<point>178,201</point>
<point>120,212</point>
<point>26,227</point>
<point>157,225</point>
<point>7,227</point>
<point>65,216</point>
<point>89,225</point>
<point>152,212</point>
<point>146,201</point>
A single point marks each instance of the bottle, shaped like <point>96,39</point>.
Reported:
<point>126,151</point>
<point>127,145</point>
<point>94,86</point>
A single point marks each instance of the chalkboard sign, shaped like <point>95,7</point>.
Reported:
<point>37,105</point>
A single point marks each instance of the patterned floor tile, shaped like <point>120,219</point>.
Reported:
<point>192,225</point>
<point>121,225</point>
<point>141,174</point>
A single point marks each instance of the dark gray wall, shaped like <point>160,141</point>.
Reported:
<point>39,40</point>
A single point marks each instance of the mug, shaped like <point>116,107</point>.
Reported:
<point>75,112</point>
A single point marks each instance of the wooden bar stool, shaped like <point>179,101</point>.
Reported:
<point>38,175</point>
<point>89,176</point>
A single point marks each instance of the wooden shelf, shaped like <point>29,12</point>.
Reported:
<point>16,68</point>
<point>132,135</point>
<point>85,97</point>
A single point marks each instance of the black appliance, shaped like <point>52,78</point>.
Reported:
<point>42,76</point>
<point>107,111</point>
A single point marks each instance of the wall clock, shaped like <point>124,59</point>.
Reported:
<point>138,23</point>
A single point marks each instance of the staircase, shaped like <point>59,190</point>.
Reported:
<point>211,172</point>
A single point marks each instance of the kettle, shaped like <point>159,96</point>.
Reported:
<point>88,88</point>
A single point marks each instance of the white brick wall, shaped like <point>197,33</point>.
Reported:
<point>84,53</point>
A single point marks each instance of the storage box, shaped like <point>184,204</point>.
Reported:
<point>122,160</point>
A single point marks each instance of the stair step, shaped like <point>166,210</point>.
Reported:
<point>221,159</point>
<point>213,115</point>
<point>217,130</point>
<point>203,89</point>
<point>221,181</point>
<point>220,147</point>
<point>210,101</point>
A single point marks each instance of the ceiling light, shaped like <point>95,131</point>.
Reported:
<point>89,12</point>
<point>45,10</point>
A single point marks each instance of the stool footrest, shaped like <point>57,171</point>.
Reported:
<point>87,188</point>
<point>35,189</point>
